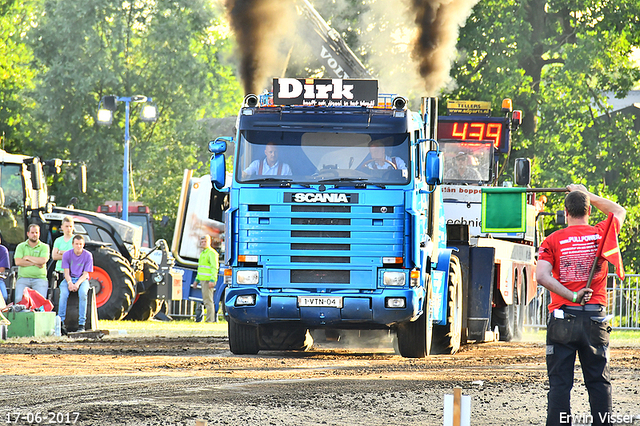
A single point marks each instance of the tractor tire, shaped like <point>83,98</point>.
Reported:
<point>284,338</point>
<point>243,338</point>
<point>447,338</point>
<point>414,337</point>
<point>146,305</point>
<point>114,283</point>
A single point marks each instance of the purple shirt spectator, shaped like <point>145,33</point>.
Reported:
<point>77,264</point>
<point>4,257</point>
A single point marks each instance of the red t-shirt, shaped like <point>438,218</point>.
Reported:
<point>571,252</point>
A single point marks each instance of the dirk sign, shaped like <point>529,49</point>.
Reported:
<point>325,92</point>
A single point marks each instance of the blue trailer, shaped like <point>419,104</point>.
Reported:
<point>327,232</point>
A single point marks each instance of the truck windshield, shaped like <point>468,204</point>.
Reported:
<point>316,157</point>
<point>467,162</point>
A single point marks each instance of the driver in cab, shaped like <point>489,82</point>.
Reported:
<point>380,160</point>
<point>269,166</point>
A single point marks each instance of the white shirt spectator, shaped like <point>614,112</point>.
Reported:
<point>278,169</point>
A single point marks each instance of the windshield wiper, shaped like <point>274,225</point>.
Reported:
<point>359,182</point>
<point>342,179</point>
<point>284,183</point>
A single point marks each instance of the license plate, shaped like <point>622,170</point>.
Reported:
<point>320,301</point>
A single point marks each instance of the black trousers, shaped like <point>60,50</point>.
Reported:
<point>587,334</point>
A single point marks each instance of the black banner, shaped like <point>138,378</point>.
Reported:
<point>325,92</point>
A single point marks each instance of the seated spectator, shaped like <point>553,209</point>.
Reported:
<point>77,264</point>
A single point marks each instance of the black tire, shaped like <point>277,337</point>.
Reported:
<point>519,313</point>
<point>145,307</point>
<point>284,338</point>
<point>243,338</point>
<point>414,337</point>
<point>112,278</point>
<point>447,338</point>
<point>503,318</point>
<point>147,304</point>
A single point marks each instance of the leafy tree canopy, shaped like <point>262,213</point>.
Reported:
<point>174,52</point>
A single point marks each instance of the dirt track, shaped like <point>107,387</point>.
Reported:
<point>174,381</point>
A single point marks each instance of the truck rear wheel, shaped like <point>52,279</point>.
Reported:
<point>447,338</point>
<point>414,337</point>
<point>243,338</point>
<point>293,338</point>
<point>112,278</point>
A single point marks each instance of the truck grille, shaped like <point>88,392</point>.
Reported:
<point>299,276</point>
<point>321,244</point>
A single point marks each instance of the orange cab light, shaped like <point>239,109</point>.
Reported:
<point>507,105</point>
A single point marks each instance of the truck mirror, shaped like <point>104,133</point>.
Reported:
<point>433,168</point>
<point>561,218</point>
<point>522,171</point>
<point>36,176</point>
<point>217,170</point>
<point>219,145</point>
<point>82,178</point>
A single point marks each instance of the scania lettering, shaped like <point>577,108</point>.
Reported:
<point>320,198</point>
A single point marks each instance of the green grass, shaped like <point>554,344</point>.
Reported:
<point>180,328</point>
<point>619,338</point>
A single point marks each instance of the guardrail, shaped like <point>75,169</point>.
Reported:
<point>623,301</point>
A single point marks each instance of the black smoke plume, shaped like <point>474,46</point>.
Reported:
<point>259,26</point>
<point>438,22</point>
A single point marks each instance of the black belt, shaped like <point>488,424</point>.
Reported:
<point>585,308</point>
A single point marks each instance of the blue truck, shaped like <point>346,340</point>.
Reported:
<point>335,219</point>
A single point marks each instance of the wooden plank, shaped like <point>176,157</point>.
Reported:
<point>457,397</point>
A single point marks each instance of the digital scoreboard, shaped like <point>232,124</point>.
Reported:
<point>475,128</point>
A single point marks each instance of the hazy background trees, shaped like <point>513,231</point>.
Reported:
<point>558,60</point>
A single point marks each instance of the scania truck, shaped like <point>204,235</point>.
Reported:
<point>335,219</point>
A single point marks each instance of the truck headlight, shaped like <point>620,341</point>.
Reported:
<point>247,277</point>
<point>396,302</point>
<point>246,300</point>
<point>393,278</point>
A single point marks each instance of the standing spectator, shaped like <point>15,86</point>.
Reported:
<point>4,267</point>
<point>63,243</point>
<point>77,265</point>
<point>564,264</point>
<point>208,276</point>
<point>31,258</point>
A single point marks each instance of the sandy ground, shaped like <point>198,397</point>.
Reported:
<point>132,380</point>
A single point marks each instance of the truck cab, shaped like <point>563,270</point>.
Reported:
<point>333,218</point>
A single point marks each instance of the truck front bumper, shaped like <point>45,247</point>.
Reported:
<point>357,310</point>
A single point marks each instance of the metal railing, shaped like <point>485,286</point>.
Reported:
<point>623,302</point>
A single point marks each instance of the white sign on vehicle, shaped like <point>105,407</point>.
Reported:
<point>466,193</point>
<point>320,301</point>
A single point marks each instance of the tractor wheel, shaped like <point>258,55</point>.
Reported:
<point>447,338</point>
<point>414,338</point>
<point>146,305</point>
<point>284,338</point>
<point>243,338</point>
<point>112,278</point>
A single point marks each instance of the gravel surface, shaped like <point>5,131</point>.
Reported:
<point>129,380</point>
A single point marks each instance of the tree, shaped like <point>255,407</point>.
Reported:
<point>15,72</point>
<point>174,52</point>
<point>558,60</point>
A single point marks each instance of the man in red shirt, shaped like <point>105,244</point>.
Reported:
<point>564,263</point>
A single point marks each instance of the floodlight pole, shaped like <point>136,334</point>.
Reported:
<point>125,169</point>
